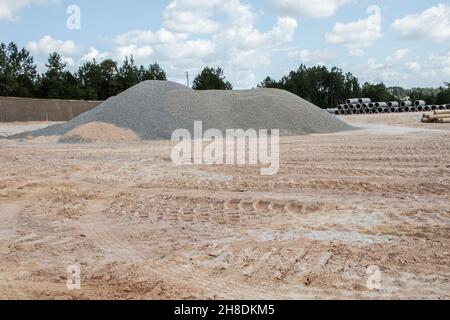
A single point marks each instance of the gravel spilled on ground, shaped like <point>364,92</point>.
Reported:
<point>154,109</point>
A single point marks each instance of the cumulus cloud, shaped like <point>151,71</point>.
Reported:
<point>139,53</point>
<point>414,66</point>
<point>389,70</point>
<point>237,45</point>
<point>397,70</point>
<point>316,57</point>
<point>440,62</point>
<point>10,8</point>
<point>358,35</point>
<point>149,37</point>
<point>94,54</point>
<point>433,23</point>
<point>48,45</point>
<point>190,16</point>
<point>308,8</point>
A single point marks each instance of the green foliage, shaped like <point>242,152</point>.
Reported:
<point>211,79</point>
<point>18,73</point>
<point>443,97</point>
<point>154,72</point>
<point>427,94</point>
<point>52,84</point>
<point>92,80</point>
<point>398,92</point>
<point>269,83</point>
<point>326,88</point>
<point>318,85</point>
<point>99,81</point>
<point>377,92</point>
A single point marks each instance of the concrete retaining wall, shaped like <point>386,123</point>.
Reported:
<point>27,110</point>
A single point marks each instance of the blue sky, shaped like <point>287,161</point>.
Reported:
<point>399,42</point>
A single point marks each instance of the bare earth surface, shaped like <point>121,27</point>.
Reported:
<point>10,129</point>
<point>396,119</point>
<point>141,228</point>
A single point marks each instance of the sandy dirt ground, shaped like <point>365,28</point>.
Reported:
<point>10,129</point>
<point>140,228</point>
<point>397,119</point>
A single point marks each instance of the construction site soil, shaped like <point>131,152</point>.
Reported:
<point>140,228</point>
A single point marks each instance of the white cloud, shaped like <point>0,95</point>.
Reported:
<point>309,8</point>
<point>190,16</point>
<point>192,49</point>
<point>70,62</point>
<point>10,8</point>
<point>238,46</point>
<point>433,23</point>
<point>356,53</point>
<point>49,45</point>
<point>397,57</point>
<point>388,71</point>
<point>440,63</point>
<point>149,37</point>
<point>358,35</point>
<point>394,70</point>
<point>138,53</point>
<point>413,67</point>
<point>94,54</point>
<point>316,57</point>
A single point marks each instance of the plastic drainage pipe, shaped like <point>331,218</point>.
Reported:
<point>427,108</point>
<point>420,103</point>
<point>352,101</point>
<point>371,105</point>
<point>393,104</point>
<point>420,108</point>
<point>365,100</point>
<point>406,103</point>
<point>434,107</point>
<point>443,107</point>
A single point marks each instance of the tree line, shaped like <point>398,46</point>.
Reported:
<point>92,80</point>
<point>100,80</point>
<point>329,87</point>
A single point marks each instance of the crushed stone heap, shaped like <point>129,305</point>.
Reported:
<point>152,110</point>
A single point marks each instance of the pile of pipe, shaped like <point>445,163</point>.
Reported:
<point>366,106</point>
<point>438,116</point>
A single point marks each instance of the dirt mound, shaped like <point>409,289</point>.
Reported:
<point>99,132</point>
<point>154,109</point>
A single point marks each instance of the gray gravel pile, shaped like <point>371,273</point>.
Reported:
<point>154,109</point>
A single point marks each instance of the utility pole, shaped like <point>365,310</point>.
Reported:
<point>187,78</point>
